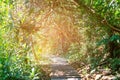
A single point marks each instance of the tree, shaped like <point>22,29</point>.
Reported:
<point>107,14</point>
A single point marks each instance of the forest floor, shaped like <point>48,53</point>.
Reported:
<point>98,73</point>
<point>58,68</point>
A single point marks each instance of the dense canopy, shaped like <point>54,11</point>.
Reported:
<point>83,31</point>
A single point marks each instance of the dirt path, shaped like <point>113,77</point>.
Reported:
<point>61,70</point>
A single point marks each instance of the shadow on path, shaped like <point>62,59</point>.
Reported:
<point>61,70</point>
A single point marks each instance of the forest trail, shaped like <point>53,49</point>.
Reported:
<point>61,70</point>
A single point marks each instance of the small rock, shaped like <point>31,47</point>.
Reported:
<point>109,78</point>
<point>118,75</point>
<point>93,75</point>
<point>105,78</point>
<point>113,78</point>
<point>88,76</point>
<point>93,71</point>
<point>98,77</point>
<point>106,72</point>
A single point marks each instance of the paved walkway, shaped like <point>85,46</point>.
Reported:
<point>61,70</point>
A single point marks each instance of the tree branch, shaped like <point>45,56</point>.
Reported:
<point>98,17</point>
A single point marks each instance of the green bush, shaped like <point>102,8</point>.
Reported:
<point>15,64</point>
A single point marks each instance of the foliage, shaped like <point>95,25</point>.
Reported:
<point>15,62</point>
<point>101,22</point>
<point>86,30</point>
<point>109,11</point>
